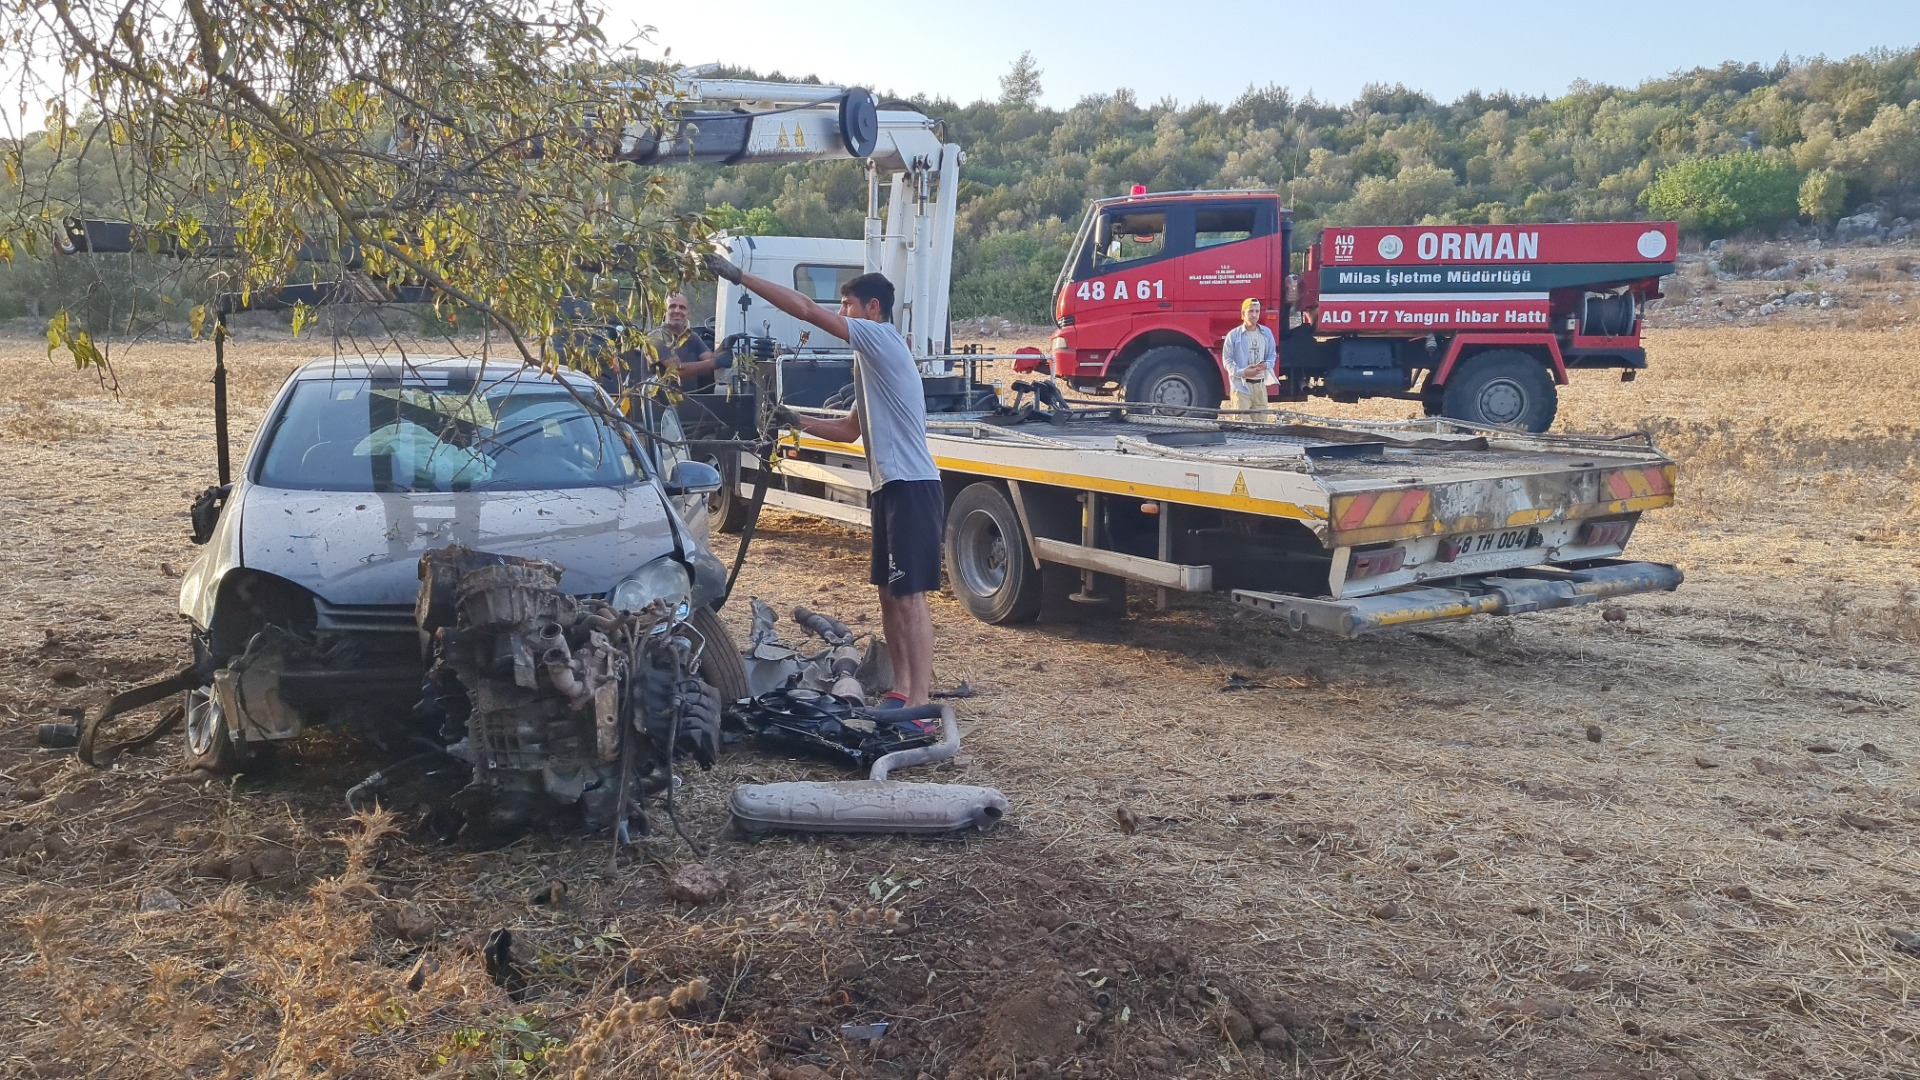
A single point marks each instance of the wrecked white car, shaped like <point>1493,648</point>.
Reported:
<point>308,605</point>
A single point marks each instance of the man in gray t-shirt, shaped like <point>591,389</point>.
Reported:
<point>890,417</point>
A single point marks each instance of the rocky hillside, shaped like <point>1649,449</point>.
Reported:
<point>1864,271</point>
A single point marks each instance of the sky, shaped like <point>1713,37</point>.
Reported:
<point>1193,49</point>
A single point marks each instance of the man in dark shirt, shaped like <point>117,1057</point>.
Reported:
<point>678,349</point>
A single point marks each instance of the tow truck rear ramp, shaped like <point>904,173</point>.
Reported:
<point>1344,527</point>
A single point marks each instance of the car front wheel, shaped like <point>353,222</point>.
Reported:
<point>209,743</point>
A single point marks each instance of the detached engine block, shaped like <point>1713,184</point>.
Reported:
<point>555,701</point>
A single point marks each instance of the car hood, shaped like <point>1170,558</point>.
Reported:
<point>355,547</point>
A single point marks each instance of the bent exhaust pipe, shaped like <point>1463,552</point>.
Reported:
<point>877,804</point>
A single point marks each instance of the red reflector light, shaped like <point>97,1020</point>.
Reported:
<point>1605,533</point>
<point>1375,563</point>
<point>1449,549</point>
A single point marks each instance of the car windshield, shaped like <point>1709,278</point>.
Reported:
<point>410,435</point>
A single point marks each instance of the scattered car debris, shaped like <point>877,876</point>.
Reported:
<point>497,955</point>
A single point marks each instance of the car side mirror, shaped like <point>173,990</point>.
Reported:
<point>693,478</point>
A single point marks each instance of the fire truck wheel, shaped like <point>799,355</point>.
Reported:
<point>1174,375</point>
<point>1503,388</point>
<point>988,565</point>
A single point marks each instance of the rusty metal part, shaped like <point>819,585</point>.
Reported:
<point>843,670</point>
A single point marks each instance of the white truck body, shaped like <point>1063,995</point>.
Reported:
<point>817,266</point>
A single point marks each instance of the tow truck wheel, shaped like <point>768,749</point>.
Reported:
<point>210,745</point>
<point>1502,388</point>
<point>726,510</point>
<point>988,565</point>
<point>720,664</point>
<point>1176,376</point>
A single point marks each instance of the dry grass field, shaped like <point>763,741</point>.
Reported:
<point>1554,846</point>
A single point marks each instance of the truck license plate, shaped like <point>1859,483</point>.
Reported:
<point>1504,540</point>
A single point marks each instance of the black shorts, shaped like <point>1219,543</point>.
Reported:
<point>909,517</point>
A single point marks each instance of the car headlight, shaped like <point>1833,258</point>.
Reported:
<point>661,579</point>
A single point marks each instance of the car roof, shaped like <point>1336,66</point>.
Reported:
<point>432,369</point>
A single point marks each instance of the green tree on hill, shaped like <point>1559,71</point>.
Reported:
<point>1822,195</point>
<point>1726,193</point>
<point>1020,87</point>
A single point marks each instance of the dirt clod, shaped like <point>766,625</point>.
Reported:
<point>1535,1008</point>
<point>408,922</point>
<point>1578,980</point>
<point>1386,911</point>
<point>1594,734</point>
<point>1276,1037</point>
<point>1235,1026</point>
<point>697,884</point>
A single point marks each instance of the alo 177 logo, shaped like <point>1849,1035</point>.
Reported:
<point>1343,247</point>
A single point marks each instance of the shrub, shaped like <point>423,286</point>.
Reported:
<point>1823,194</point>
<point>1728,193</point>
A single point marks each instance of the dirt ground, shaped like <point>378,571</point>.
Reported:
<point>1681,844</point>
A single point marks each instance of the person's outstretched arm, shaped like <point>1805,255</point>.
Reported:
<point>791,301</point>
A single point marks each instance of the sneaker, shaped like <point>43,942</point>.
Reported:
<point>894,702</point>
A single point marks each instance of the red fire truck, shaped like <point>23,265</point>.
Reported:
<point>1476,322</point>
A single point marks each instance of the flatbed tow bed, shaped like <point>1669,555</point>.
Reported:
<point>1341,526</point>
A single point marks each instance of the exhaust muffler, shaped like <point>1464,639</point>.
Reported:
<point>877,804</point>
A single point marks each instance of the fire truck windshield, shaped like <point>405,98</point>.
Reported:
<point>1127,236</point>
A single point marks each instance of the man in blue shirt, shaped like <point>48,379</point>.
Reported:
<point>1248,355</point>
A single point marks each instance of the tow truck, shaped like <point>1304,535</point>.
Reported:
<point>1342,527</point>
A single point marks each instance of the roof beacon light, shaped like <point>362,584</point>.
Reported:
<point>1138,189</point>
